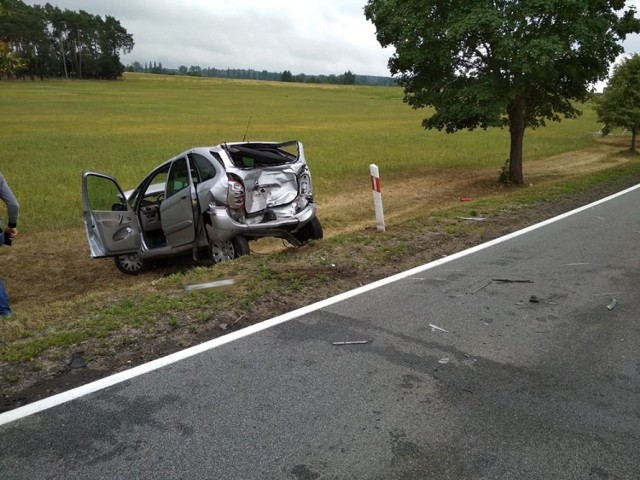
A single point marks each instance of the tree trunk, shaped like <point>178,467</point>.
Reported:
<point>517,112</point>
<point>79,53</point>
<point>63,58</point>
<point>634,134</point>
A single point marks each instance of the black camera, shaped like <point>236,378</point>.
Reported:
<point>7,239</point>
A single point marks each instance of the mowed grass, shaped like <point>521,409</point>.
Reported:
<point>52,131</point>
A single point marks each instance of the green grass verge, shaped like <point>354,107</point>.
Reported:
<point>268,278</point>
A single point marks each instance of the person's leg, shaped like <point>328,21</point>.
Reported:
<point>4,301</point>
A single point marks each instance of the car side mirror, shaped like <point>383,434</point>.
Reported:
<point>118,207</point>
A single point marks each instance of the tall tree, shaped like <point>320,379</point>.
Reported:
<point>49,41</point>
<point>286,76</point>
<point>9,62</point>
<point>112,39</point>
<point>500,63</point>
<point>619,105</point>
<point>349,78</point>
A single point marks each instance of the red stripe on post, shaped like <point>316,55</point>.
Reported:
<point>375,184</point>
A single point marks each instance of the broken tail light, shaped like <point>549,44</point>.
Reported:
<point>305,184</point>
<point>235,194</point>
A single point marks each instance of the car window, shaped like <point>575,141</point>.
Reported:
<point>257,155</point>
<point>178,177</point>
<point>103,194</point>
<point>216,155</point>
<point>154,188</point>
<point>206,170</point>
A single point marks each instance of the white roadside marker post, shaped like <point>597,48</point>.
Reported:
<point>377,196</point>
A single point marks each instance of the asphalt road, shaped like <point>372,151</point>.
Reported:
<point>463,377</point>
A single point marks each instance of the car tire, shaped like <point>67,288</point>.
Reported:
<point>131,264</point>
<point>241,245</point>
<point>311,231</point>
<point>224,251</point>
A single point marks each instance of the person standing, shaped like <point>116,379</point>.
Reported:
<point>7,235</point>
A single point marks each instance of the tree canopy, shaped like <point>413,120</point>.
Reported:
<point>45,41</point>
<point>619,105</point>
<point>500,63</point>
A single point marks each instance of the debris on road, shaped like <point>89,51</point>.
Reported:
<point>203,286</point>
<point>465,199</point>
<point>352,342</point>
<point>484,286</point>
<point>508,280</point>
<point>612,304</point>
<point>435,327</point>
<point>534,299</point>
<point>473,219</point>
<point>444,360</point>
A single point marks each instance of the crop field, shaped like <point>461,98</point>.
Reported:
<point>64,301</point>
<point>51,131</point>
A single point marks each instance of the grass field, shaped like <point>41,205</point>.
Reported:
<point>64,301</point>
<point>51,131</point>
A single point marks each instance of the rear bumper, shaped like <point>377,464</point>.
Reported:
<point>223,227</point>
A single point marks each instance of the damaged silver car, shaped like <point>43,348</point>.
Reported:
<point>208,199</point>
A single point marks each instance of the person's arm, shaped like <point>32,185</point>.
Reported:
<point>12,205</point>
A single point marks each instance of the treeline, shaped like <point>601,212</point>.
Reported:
<point>47,42</point>
<point>347,78</point>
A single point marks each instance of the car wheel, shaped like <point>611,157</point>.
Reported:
<point>131,264</point>
<point>234,248</point>
<point>311,231</point>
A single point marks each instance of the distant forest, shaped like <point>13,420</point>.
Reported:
<point>47,42</point>
<point>347,78</point>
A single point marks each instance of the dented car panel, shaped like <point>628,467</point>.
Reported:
<point>213,198</point>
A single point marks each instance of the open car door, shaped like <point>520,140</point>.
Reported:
<point>179,210</point>
<point>112,226</point>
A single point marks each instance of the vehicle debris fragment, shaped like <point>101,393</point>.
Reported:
<point>77,360</point>
<point>203,286</point>
<point>534,299</point>
<point>483,286</point>
<point>435,327</point>
<point>508,280</point>
<point>473,219</point>
<point>612,305</point>
<point>352,342</point>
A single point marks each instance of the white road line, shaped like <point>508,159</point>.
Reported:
<point>103,383</point>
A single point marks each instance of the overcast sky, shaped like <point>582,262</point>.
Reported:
<point>303,36</point>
